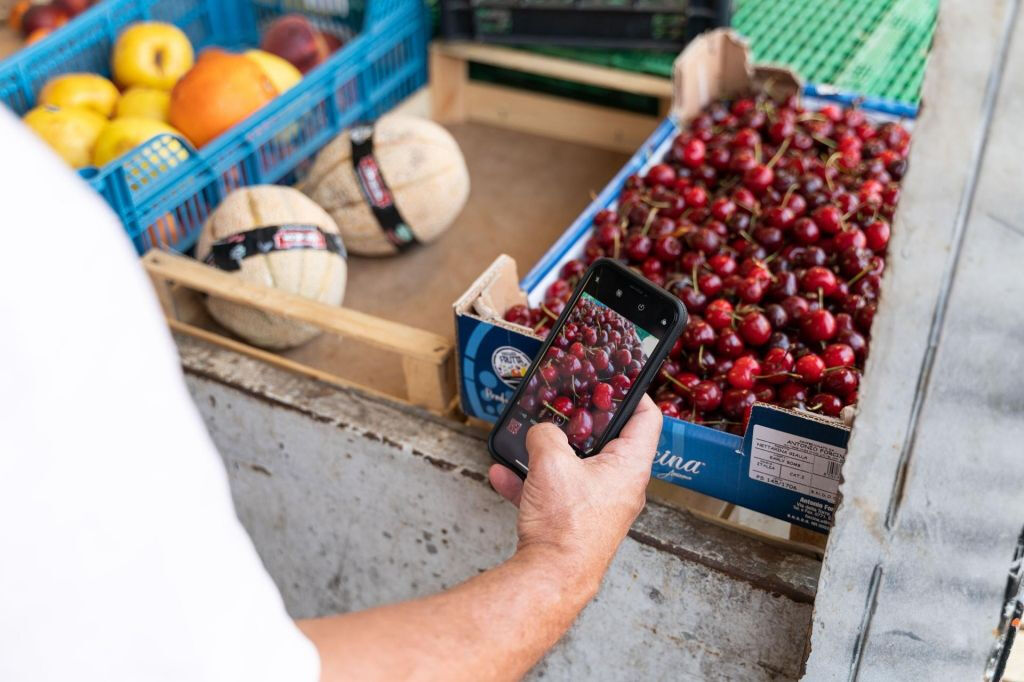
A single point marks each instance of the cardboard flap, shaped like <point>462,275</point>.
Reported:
<point>493,292</point>
<point>717,65</point>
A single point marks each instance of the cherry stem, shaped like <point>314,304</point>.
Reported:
<point>693,279</point>
<point>715,422</point>
<point>547,311</point>
<point>778,155</point>
<point>547,405</point>
<point>675,381</point>
<point>821,298</point>
<point>615,241</point>
<point>650,220</point>
<point>779,374</point>
<point>788,194</point>
<point>859,275</point>
<point>540,325</point>
<point>757,151</point>
<point>824,140</point>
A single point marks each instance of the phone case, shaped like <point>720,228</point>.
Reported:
<point>643,380</point>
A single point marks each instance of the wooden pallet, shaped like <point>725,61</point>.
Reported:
<point>426,359</point>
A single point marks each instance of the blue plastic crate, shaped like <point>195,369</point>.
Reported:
<point>164,190</point>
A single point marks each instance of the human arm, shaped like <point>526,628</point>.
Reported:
<point>573,514</point>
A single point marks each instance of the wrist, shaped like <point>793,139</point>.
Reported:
<point>566,574</point>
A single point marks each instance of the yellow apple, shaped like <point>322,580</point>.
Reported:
<point>143,103</point>
<point>72,132</point>
<point>125,134</point>
<point>82,90</point>
<point>280,72</point>
<point>152,54</point>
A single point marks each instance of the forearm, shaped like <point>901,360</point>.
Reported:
<point>492,627</point>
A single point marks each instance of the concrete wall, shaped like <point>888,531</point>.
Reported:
<point>353,502</point>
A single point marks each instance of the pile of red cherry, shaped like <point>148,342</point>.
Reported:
<point>587,371</point>
<point>770,222</point>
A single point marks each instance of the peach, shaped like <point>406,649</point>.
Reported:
<point>295,39</point>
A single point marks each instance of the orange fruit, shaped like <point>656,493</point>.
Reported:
<point>221,90</point>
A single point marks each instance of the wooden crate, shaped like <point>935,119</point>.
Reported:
<point>426,359</point>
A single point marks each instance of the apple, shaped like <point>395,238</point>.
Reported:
<point>39,17</point>
<point>295,39</point>
<point>151,54</point>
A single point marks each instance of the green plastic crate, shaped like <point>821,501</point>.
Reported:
<point>871,48</point>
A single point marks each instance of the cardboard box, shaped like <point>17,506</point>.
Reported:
<point>787,465</point>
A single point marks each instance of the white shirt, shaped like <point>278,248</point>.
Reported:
<point>121,557</point>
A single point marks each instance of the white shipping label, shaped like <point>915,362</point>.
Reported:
<point>795,463</point>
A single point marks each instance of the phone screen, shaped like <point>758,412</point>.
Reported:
<point>593,366</point>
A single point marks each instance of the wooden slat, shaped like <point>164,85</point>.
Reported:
<point>448,79</point>
<point>274,359</point>
<point>559,118</point>
<point>393,336</point>
<point>554,67</point>
<point>429,384</point>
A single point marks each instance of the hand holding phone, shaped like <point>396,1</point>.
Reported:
<point>579,510</point>
<point>595,365</point>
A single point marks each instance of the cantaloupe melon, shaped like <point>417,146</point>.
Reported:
<point>314,274</point>
<point>422,167</point>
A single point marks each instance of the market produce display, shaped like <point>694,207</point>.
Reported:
<point>405,163</point>
<point>587,372</point>
<point>36,19</point>
<point>770,222</point>
<point>158,80</point>
<point>314,273</point>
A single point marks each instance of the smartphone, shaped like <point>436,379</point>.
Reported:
<point>595,365</point>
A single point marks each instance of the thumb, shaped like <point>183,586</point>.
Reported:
<point>547,444</point>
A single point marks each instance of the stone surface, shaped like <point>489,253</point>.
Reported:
<point>915,568</point>
<point>353,502</point>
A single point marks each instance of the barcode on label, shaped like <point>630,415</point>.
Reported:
<point>832,470</point>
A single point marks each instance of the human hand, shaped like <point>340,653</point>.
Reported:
<point>579,510</point>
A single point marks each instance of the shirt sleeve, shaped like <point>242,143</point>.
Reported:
<point>123,558</point>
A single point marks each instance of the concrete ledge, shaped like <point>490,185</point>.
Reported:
<point>353,501</point>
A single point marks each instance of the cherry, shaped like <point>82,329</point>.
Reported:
<point>620,383</point>
<point>578,349</point>
<point>776,315</point>
<point>668,408</point>
<point>758,179</point>
<point>572,270</point>
<point>743,372</point>
<point>518,314</point>
<point>695,196</point>
<point>581,426</point>
<point>562,404</point>
<point>706,396</point>
<point>819,278</point>
<point>697,333</point>
<point>791,391</point>
<point>633,369</point>
<point>853,237</point>
<point>806,231</point>
<point>602,396</point>
<point>755,329</point>
<point>810,367</point>
<point>621,358</point>
<point>841,381</point>
<point>638,246</point>
<point>877,235</point>
<point>601,421</point>
<point>838,355</point>
<point>723,264</point>
<point>710,284</point>
<point>776,365</point>
<point>667,248</point>
<point>599,359</point>
<point>737,402</point>
<point>693,153</point>
<point>818,325</point>
<point>718,314</point>
<point>828,218</point>
<point>854,340</point>
<point>828,404</point>
<point>661,174</point>
<point>751,290</point>
<point>549,374</point>
<point>729,344</point>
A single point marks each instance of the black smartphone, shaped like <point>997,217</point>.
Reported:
<point>594,366</point>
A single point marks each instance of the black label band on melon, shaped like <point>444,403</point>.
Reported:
<point>228,253</point>
<point>376,191</point>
